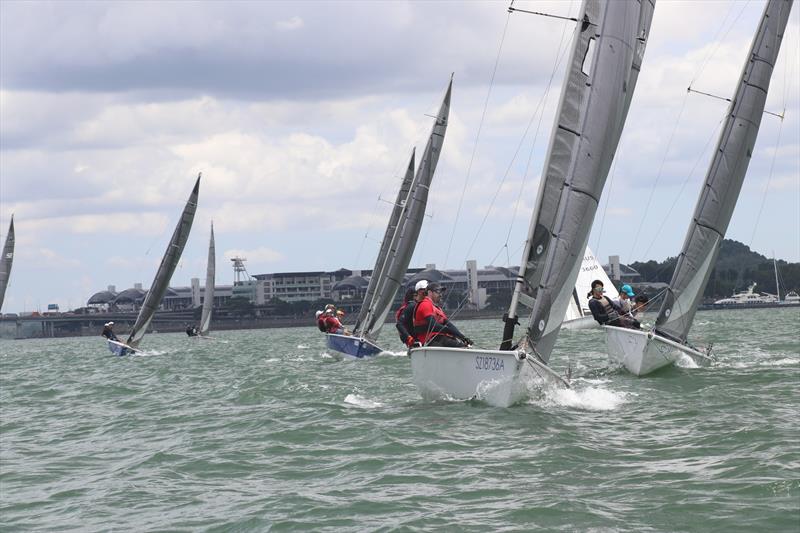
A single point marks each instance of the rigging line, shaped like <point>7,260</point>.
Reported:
<point>685,182</point>
<point>766,187</point>
<point>560,54</point>
<point>717,41</point>
<point>514,9</point>
<point>609,195</point>
<point>477,138</point>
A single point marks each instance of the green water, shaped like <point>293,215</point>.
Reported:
<point>263,430</point>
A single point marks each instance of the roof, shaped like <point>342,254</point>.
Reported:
<point>352,283</point>
<point>130,295</point>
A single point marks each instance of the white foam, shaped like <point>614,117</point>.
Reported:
<point>787,361</point>
<point>684,361</point>
<point>389,353</point>
<point>302,347</point>
<point>589,399</point>
<point>360,401</point>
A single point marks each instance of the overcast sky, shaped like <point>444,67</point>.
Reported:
<point>302,116</point>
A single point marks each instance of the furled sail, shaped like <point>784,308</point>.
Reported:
<point>208,292</point>
<point>405,240</point>
<point>725,176</point>
<point>607,52</point>
<point>394,220</point>
<point>168,263</point>
<point>6,261</point>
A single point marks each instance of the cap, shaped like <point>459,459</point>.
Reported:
<point>108,324</point>
<point>436,287</point>
<point>317,314</point>
<point>627,290</point>
<point>421,285</point>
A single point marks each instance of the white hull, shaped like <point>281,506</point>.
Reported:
<point>584,322</point>
<point>500,378</point>
<point>642,352</point>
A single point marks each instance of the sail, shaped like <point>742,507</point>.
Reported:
<point>208,293</point>
<point>724,178</point>
<point>405,239</point>
<point>6,260</point>
<point>168,263</point>
<point>604,64</point>
<point>590,270</point>
<point>399,207</point>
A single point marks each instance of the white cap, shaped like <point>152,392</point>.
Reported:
<point>421,284</point>
<point>109,323</point>
<point>317,314</point>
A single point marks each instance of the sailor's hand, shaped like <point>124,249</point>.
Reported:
<point>409,341</point>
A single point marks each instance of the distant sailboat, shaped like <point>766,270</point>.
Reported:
<point>578,315</point>
<point>6,260</point>
<point>642,352</point>
<point>397,246</point>
<point>169,261</point>
<point>208,293</point>
<point>603,67</point>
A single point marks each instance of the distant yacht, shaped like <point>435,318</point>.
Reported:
<point>749,297</point>
<point>791,298</point>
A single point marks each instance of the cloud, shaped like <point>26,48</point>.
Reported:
<point>294,23</point>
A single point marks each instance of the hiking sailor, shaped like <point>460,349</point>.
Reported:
<point>431,326</point>
<point>108,332</point>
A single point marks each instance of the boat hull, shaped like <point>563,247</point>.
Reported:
<point>118,348</point>
<point>584,322</point>
<point>357,347</point>
<point>643,352</point>
<point>500,378</point>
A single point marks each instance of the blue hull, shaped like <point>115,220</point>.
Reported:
<point>117,348</point>
<point>357,347</point>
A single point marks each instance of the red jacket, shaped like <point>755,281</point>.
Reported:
<point>424,309</point>
<point>332,324</point>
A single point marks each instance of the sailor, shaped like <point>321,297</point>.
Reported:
<point>624,300</point>
<point>404,318</point>
<point>320,316</point>
<point>605,310</point>
<point>431,326</point>
<point>108,332</point>
<point>333,324</point>
<point>191,331</point>
<point>639,304</point>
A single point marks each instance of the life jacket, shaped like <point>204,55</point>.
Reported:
<point>423,310</point>
<point>405,316</point>
<point>321,323</point>
<point>608,307</point>
<point>332,324</point>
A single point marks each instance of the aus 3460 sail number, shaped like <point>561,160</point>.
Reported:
<point>487,362</point>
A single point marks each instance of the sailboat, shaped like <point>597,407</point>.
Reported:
<point>6,260</point>
<point>578,315</point>
<point>208,293</point>
<point>642,352</point>
<point>397,246</point>
<point>169,261</point>
<point>603,68</point>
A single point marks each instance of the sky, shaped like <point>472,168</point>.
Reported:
<point>302,115</point>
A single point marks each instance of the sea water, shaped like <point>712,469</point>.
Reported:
<point>264,430</point>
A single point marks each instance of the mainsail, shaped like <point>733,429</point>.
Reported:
<point>6,260</point>
<point>168,263</point>
<point>726,173</point>
<point>607,52</point>
<point>401,248</point>
<point>208,293</point>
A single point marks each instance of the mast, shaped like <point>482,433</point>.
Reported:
<point>603,68</point>
<point>6,260</point>
<point>208,298</point>
<point>391,230</point>
<point>165,270</point>
<point>777,285</point>
<point>405,239</point>
<point>724,179</point>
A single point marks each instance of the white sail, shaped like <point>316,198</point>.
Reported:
<point>169,261</point>
<point>603,69</point>
<point>724,179</point>
<point>208,293</point>
<point>6,261</point>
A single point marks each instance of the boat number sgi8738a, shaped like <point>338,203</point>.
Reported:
<point>487,362</point>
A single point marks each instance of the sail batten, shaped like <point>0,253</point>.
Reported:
<point>7,260</point>
<point>591,114</point>
<point>725,176</point>
<point>208,298</point>
<point>165,270</point>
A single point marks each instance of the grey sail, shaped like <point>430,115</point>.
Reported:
<point>724,179</point>
<point>6,261</point>
<point>399,205</point>
<point>208,292</point>
<point>168,263</point>
<point>405,240</point>
<point>603,68</point>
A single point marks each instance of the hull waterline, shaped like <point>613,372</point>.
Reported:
<point>357,347</point>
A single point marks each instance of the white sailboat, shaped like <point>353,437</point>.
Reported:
<point>169,261</point>
<point>208,293</point>
<point>642,352</point>
<point>578,315</point>
<point>397,246</point>
<point>6,260</point>
<point>603,68</point>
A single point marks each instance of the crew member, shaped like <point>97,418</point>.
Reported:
<point>333,324</point>
<point>404,318</point>
<point>624,301</point>
<point>108,332</point>
<point>606,311</point>
<point>320,316</point>
<point>192,331</point>
<point>431,326</point>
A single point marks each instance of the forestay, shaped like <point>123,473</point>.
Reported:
<point>402,246</point>
<point>604,64</point>
<point>208,293</point>
<point>6,260</point>
<point>168,263</point>
<point>724,179</point>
